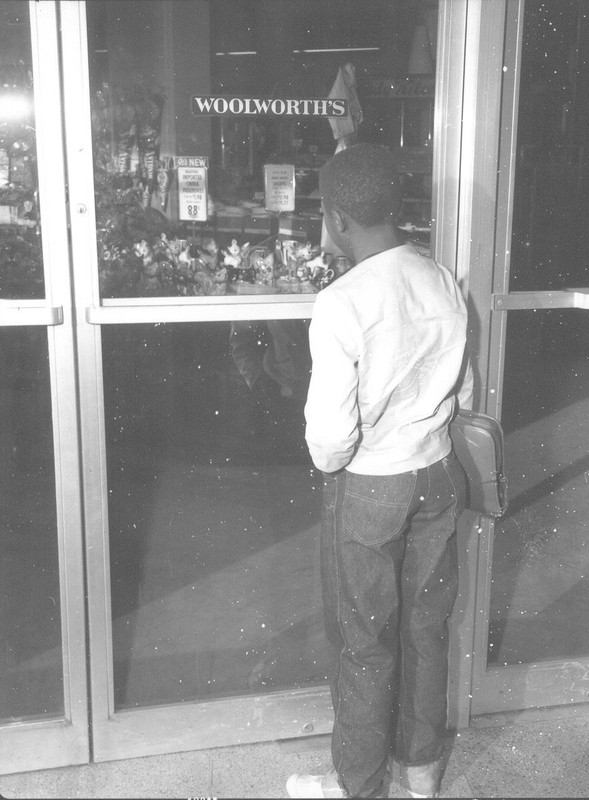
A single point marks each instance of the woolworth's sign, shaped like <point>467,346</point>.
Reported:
<point>219,105</point>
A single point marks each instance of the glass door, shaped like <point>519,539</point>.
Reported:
<point>195,132</point>
<point>43,694</point>
<point>533,582</point>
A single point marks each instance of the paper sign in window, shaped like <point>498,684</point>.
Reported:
<point>279,186</point>
<point>192,193</point>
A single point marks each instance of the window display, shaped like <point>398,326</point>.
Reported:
<point>211,122</point>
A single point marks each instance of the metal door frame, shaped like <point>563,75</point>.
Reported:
<point>53,742</point>
<point>167,728</point>
<point>490,245</point>
<point>162,729</point>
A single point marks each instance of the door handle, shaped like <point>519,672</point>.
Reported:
<point>11,313</point>
<point>518,301</point>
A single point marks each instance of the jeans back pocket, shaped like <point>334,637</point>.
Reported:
<point>375,506</point>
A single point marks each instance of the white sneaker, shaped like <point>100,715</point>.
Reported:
<point>423,780</point>
<point>313,786</point>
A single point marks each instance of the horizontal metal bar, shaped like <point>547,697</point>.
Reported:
<point>198,312</point>
<point>519,301</point>
<point>15,313</point>
<point>581,298</point>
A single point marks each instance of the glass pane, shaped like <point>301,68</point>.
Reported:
<point>214,508</point>
<point>31,683</point>
<point>540,575</point>
<point>211,121</point>
<point>21,266</point>
<point>550,231</point>
<point>541,557</point>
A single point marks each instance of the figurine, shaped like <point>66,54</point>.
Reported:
<point>289,248</point>
<point>319,261</point>
<point>220,278</point>
<point>235,258</point>
<point>304,276</point>
<point>263,265</point>
<point>173,246</point>
<point>303,252</point>
<point>234,254</point>
<point>209,254</point>
<point>149,281</point>
<point>185,258</point>
<point>321,273</point>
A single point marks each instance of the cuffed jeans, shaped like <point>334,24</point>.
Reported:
<point>389,577</point>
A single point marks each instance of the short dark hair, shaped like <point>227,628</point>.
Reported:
<point>363,181</point>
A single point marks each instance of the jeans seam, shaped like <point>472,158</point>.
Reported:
<point>404,689</point>
<point>401,647</point>
<point>454,505</point>
<point>339,622</point>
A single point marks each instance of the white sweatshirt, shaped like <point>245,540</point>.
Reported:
<point>388,342</point>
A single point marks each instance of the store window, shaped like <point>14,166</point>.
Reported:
<point>31,669</point>
<point>21,265</point>
<point>211,121</point>
<point>540,574</point>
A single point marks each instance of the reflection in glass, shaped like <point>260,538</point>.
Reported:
<point>214,508</point>
<point>21,268</point>
<point>220,221</point>
<point>551,206</point>
<point>540,587</point>
<point>541,558</point>
<point>31,683</point>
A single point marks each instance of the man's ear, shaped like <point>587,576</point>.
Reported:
<point>340,221</point>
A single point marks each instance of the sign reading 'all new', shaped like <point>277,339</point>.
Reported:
<point>218,105</point>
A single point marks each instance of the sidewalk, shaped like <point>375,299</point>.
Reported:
<point>503,757</point>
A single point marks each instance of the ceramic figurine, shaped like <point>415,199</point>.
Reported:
<point>303,252</point>
<point>209,254</point>
<point>289,249</point>
<point>234,254</point>
<point>185,257</point>
<point>173,246</point>
<point>326,278</point>
<point>321,273</point>
<point>304,276</point>
<point>149,280</point>
<point>319,261</point>
<point>220,278</point>
<point>263,268</point>
<point>235,259</point>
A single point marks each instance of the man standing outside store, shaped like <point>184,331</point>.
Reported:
<point>388,345</point>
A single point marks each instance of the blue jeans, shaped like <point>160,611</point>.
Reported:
<point>390,578</point>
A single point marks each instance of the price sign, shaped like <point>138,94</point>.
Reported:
<point>192,193</point>
<point>279,184</point>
